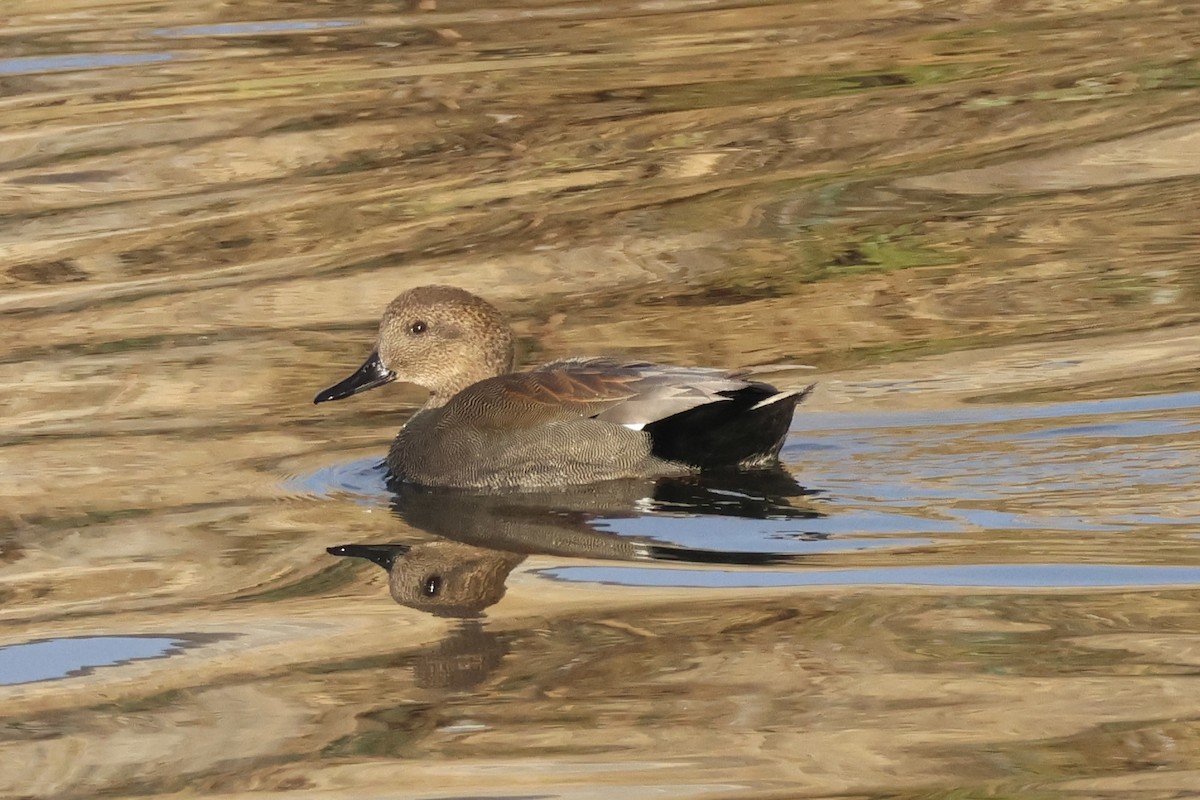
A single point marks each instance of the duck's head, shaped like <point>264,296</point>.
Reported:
<point>439,337</point>
<point>448,579</point>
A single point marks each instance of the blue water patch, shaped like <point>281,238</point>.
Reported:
<point>31,66</point>
<point>50,659</point>
<point>993,576</point>
<point>827,421</point>
<point>793,536</point>
<point>1129,429</point>
<point>250,28</point>
<point>1010,521</point>
<point>363,480</point>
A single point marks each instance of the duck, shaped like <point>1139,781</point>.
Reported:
<point>569,422</point>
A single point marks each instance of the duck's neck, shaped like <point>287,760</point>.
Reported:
<point>446,391</point>
<point>496,360</point>
<point>442,396</point>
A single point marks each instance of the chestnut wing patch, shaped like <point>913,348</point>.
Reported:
<point>631,394</point>
<point>554,392</point>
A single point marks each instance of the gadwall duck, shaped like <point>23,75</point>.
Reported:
<point>568,422</point>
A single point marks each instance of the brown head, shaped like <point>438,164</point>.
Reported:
<point>439,337</point>
<point>447,579</point>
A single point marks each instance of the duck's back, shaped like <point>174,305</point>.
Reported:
<point>585,420</point>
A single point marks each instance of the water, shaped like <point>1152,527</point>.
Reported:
<point>58,658</point>
<point>977,574</point>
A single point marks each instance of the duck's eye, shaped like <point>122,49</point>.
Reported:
<point>417,327</point>
<point>433,585</point>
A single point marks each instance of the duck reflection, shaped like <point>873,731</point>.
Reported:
<point>447,579</point>
<point>483,537</point>
<point>463,660</point>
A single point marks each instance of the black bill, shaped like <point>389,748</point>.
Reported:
<point>371,374</point>
<point>382,554</point>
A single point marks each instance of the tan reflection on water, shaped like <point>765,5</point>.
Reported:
<point>943,205</point>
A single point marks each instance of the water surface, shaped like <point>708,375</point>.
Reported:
<point>978,221</point>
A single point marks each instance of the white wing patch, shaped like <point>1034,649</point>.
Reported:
<point>775,398</point>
